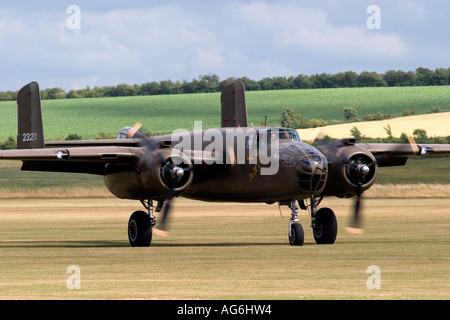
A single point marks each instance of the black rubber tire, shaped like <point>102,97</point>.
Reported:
<point>326,228</point>
<point>139,229</point>
<point>296,235</point>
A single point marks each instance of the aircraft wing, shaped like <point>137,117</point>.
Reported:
<point>78,159</point>
<point>93,143</point>
<point>395,154</point>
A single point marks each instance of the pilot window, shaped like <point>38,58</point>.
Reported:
<point>282,134</point>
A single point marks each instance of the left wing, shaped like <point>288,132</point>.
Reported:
<point>62,156</point>
<point>395,154</point>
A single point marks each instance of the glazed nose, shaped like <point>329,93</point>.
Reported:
<point>311,165</point>
<point>312,173</point>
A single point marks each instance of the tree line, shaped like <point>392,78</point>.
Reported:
<point>212,83</point>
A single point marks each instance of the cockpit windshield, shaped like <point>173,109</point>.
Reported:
<point>281,134</point>
<point>288,134</point>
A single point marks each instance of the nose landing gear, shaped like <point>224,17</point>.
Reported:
<point>296,234</point>
<point>323,223</point>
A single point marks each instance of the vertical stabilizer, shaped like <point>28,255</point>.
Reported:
<point>234,109</point>
<point>30,132</point>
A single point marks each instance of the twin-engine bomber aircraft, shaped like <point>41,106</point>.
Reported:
<point>231,163</point>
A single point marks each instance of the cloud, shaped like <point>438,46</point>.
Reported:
<point>306,29</point>
<point>9,27</point>
<point>130,44</point>
<point>127,38</point>
<point>157,26</point>
<point>136,42</point>
<point>210,58</point>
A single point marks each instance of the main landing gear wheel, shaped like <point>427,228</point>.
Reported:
<point>296,234</point>
<point>325,226</point>
<point>140,229</point>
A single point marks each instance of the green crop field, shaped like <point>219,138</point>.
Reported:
<point>165,113</point>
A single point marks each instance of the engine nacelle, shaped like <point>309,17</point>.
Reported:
<point>348,167</point>
<point>151,177</point>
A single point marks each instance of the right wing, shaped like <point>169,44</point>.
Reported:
<point>93,143</point>
<point>79,159</point>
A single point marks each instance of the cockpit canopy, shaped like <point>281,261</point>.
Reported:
<point>281,134</point>
<point>288,134</point>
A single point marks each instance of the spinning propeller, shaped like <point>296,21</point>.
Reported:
<point>359,170</point>
<point>171,174</point>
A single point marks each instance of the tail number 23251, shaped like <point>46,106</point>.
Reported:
<point>32,136</point>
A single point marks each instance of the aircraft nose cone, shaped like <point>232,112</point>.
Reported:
<point>310,164</point>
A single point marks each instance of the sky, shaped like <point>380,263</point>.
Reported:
<point>74,44</point>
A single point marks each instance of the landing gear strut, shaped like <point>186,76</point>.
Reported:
<point>141,224</point>
<point>323,223</point>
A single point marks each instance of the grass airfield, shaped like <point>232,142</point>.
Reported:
<point>221,251</point>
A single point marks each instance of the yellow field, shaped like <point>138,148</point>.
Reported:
<point>435,124</point>
<point>222,251</point>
